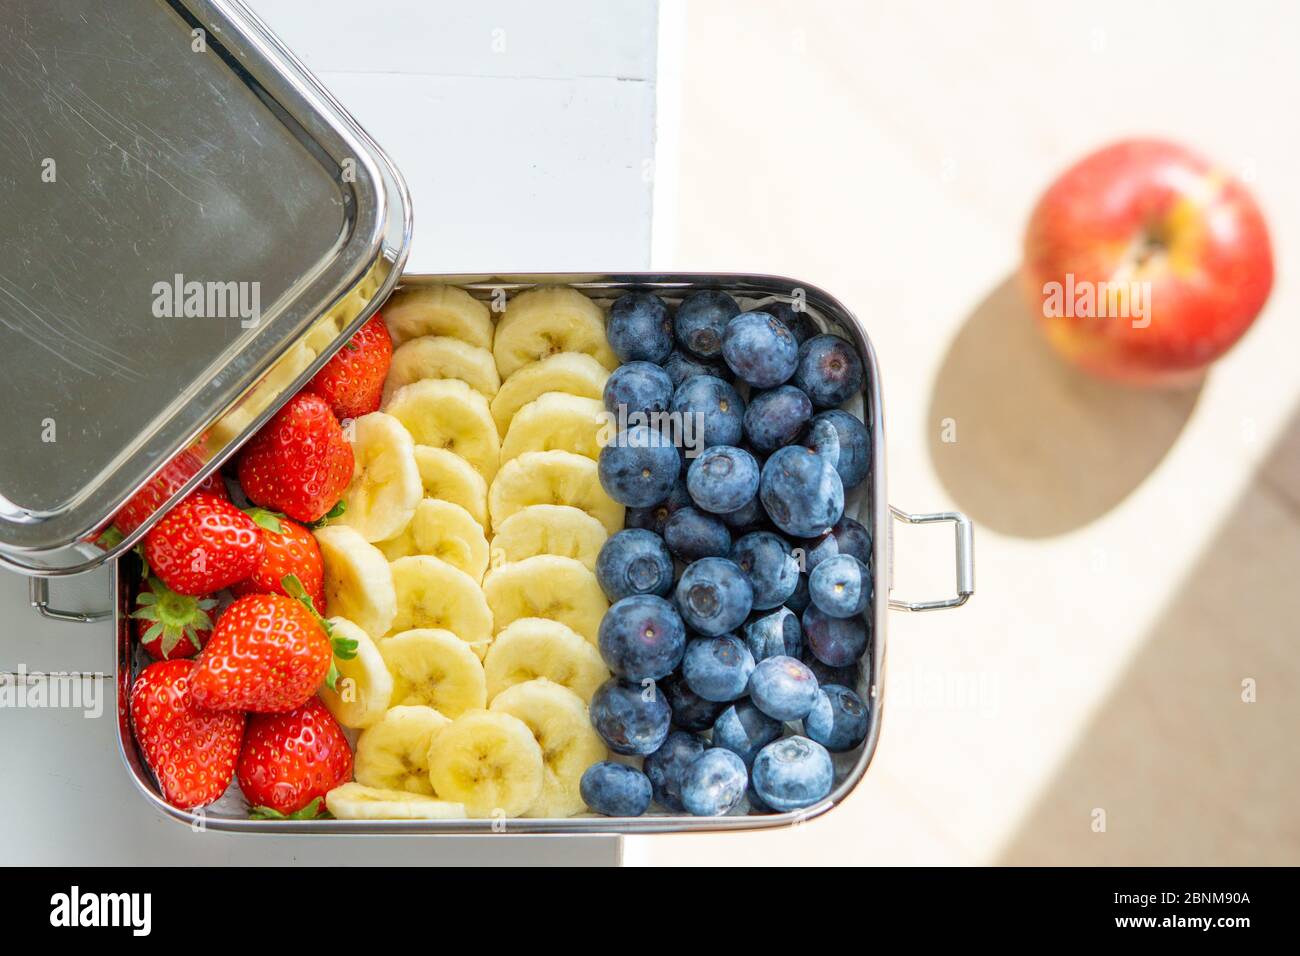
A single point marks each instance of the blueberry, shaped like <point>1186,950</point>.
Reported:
<point>801,492</point>
<point>615,789</point>
<point>748,516</point>
<point>837,641</point>
<point>639,467</point>
<point>690,710</point>
<point>722,478</point>
<point>718,668</point>
<point>630,718</point>
<point>668,763</point>
<point>783,688</point>
<point>799,600</point>
<point>682,365</point>
<point>654,517</point>
<point>714,596</point>
<point>774,634</point>
<point>634,561</point>
<point>642,638</point>
<point>639,328</point>
<point>772,569</point>
<point>709,411</point>
<point>829,370</point>
<point>846,676</point>
<point>745,730</point>
<point>792,773</point>
<point>841,586</point>
<point>838,719</point>
<point>842,440</point>
<point>701,319</point>
<point>714,783</point>
<point>776,417</point>
<point>691,534</point>
<point>638,388</point>
<point>800,323</point>
<point>759,349</point>
<point>847,537</point>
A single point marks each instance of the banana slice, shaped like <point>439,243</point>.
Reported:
<point>353,801</point>
<point>440,356</point>
<point>570,372</point>
<point>358,581</point>
<point>552,478</point>
<point>561,530</point>
<point>559,589</point>
<point>364,688</point>
<point>547,320</point>
<point>447,413</point>
<point>432,593</point>
<point>393,754</point>
<point>558,719</point>
<point>556,421</point>
<point>386,484</point>
<point>413,311</point>
<point>444,530</point>
<point>448,476</point>
<point>533,647</point>
<point>435,668</point>
<point>488,761</point>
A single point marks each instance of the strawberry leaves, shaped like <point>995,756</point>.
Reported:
<point>345,648</point>
<point>333,514</point>
<point>173,617</point>
<point>266,519</point>
<point>313,811</point>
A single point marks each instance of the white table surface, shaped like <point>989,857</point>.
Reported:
<point>525,132</point>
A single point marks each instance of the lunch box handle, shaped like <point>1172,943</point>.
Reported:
<point>965,559</point>
<point>38,595</point>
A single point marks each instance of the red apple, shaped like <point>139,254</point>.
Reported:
<point>1154,232</point>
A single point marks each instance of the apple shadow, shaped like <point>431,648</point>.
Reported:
<point>1029,446</point>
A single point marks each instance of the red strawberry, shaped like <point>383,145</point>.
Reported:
<point>353,380</point>
<point>141,506</point>
<point>268,654</point>
<point>290,549</point>
<point>190,750</point>
<point>171,625</point>
<point>203,545</point>
<point>290,761</point>
<point>299,463</point>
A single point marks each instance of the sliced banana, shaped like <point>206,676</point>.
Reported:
<point>559,721</point>
<point>432,593</point>
<point>441,356</point>
<point>533,647</point>
<point>364,688</point>
<point>386,484</point>
<point>448,476</point>
<point>435,668</point>
<point>570,372</point>
<point>413,311</point>
<point>557,421</point>
<point>393,754</point>
<point>559,589</point>
<point>354,801</point>
<point>442,529</point>
<point>547,320</point>
<point>552,478</point>
<point>447,413</point>
<point>358,580</point>
<point>561,530</point>
<point>488,761</point>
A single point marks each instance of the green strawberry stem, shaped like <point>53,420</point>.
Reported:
<point>313,811</point>
<point>269,520</point>
<point>174,616</point>
<point>345,648</point>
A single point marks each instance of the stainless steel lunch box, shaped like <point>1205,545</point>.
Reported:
<point>125,413</point>
<point>868,505</point>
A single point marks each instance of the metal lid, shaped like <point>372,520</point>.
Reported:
<point>192,225</point>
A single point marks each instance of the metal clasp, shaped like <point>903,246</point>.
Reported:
<point>965,559</point>
<point>38,595</point>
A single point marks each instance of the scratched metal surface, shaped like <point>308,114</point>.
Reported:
<point>164,161</point>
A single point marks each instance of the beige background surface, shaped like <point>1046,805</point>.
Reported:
<point>1137,553</point>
